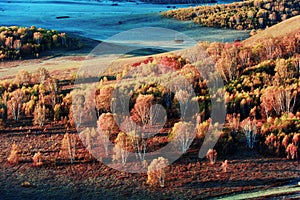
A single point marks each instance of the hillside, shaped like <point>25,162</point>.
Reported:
<point>285,28</point>
<point>83,143</point>
<point>253,14</point>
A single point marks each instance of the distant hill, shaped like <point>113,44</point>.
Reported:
<point>287,27</point>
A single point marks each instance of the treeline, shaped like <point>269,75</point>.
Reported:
<point>253,14</point>
<point>21,42</point>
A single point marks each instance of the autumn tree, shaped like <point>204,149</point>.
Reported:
<point>103,99</point>
<point>284,70</point>
<point>3,108</point>
<point>141,111</point>
<point>52,87</point>
<point>68,147</point>
<point>292,152</point>
<point>40,76</point>
<point>23,77</point>
<point>156,172</point>
<point>39,114</point>
<point>278,99</point>
<point>76,110</point>
<point>249,128</point>
<point>106,127</point>
<point>15,103</point>
<point>183,133</point>
<point>123,144</point>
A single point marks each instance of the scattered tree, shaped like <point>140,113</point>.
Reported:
<point>156,172</point>
<point>39,114</point>
<point>292,152</point>
<point>123,144</point>
<point>68,147</point>
<point>15,103</point>
<point>183,133</point>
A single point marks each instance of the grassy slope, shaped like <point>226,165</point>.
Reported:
<point>290,26</point>
<point>287,27</point>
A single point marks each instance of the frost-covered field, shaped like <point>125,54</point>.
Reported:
<point>100,19</point>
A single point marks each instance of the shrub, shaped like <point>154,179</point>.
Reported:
<point>13,158</point>
<point>224,166</point>
<point>37,159</point>
<point>156,172</point>
<point>285,141</point>
<point>57,112</point>
<point>211,155</point>
<point>203,128</point>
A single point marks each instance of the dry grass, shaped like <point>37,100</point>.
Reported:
<point>287,27</point>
